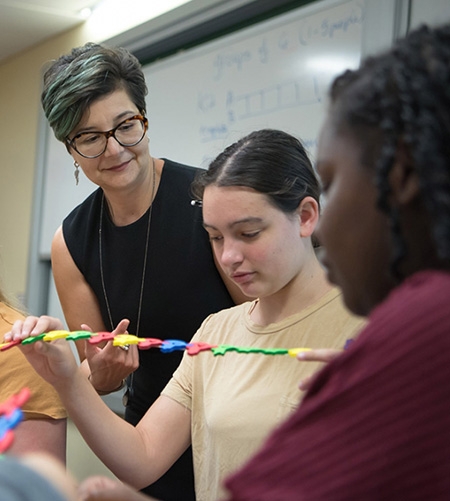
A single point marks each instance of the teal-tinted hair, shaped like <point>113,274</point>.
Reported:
<point>77,79</point>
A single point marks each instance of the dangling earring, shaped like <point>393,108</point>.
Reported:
<point>77,172</point>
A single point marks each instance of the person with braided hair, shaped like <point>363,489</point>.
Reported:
<point>375,422</point>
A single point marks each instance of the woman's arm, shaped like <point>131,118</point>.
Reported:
<point>41,435</point>
<point>106,365</point>
<point>78,301</point>
<point>45,434</point>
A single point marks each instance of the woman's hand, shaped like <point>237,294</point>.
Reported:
<point>53,361</point>
<point>109,364</point>
<point>322,355</point>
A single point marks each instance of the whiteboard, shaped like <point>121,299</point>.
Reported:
<point>273,74</point>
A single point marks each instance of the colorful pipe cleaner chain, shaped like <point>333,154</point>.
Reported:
<point>166,346</point>
<point>10,416</point>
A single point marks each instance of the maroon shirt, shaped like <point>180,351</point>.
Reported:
<point>375,425</point>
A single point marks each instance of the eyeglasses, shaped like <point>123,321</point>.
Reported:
<point>93,144</point>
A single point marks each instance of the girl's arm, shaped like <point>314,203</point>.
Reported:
<point>137,455</point>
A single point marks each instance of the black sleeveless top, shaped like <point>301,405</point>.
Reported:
<point>182,284</point>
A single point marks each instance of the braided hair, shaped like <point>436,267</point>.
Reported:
<point>403,96</point>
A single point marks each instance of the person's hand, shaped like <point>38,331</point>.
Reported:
<point>33,326</point>
<point>99,488</point>
<point>53,471</point>
<point>109,364</point>
<point>322,355</point>
<point>54,360</point>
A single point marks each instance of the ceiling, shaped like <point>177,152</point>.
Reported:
<point>24,23</point>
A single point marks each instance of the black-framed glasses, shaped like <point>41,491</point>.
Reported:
<point>92,144</point>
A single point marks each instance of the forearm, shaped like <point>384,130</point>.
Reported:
<point>138,456</point>
<point>117,444</point>
<point>84,368</point>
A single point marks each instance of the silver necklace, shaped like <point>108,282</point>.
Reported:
<point>144,267</point>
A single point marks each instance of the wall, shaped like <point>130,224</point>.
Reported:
<point>20,84</point>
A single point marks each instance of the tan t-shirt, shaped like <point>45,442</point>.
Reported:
<point>16,373</point>
<point>237,399</point>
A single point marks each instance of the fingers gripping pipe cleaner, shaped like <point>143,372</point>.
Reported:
<point>165,346</point>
